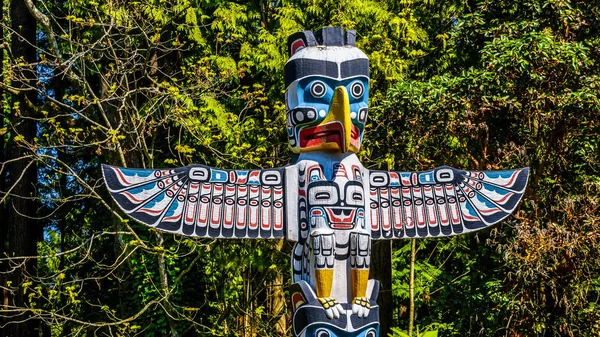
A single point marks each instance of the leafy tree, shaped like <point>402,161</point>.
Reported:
<point>523,91</point>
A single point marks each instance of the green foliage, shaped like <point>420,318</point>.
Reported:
<point>427,333</point>
<point>522,91</point>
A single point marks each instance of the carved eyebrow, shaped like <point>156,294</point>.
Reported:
<point>354,68</point>
<point>303,67</point>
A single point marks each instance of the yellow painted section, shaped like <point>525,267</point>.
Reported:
<point>323,282</point>
<point>353,148</point>
<point>323,147</point>
<point>339,110</point>
<point>360,277</point>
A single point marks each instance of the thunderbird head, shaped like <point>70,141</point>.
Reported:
<point>327,91</point>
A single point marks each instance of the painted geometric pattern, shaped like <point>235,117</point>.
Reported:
<point>201,201</point>
<point>441,202</point>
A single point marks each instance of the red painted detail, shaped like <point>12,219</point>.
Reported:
<point>512,179</point>
<point>408,213</point>
<point>343,216</point>
<point>332,132</point>
<point>504,198</point>
<point>190,211</point>
<point>316,212</point>
<point>431,215</point>
<point>297,300</point>
<point>131,197</point>
<point>241,217</point>
<point>278,220</point>
<point>355,137</point>
<point>357,175</point>
<point>253,176</point>
<point>215,219</point>
<point>454,215</point>
<point>296,46</point>
<point>420,216</point>
<point>340,171</point>
<point>341,226</point>
<point>253,221</point>
<point>242,179</point>
<point>151,211</point>
<point>122,177</point>
<point>394,177</point>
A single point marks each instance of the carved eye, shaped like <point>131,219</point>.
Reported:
<point>322,196</point>
<point>371,333</point>
<point>318,89</point>
<point>354,195</point>
<point>322,333</point>
<point>357,89</point>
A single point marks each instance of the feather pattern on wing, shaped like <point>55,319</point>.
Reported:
<point>441,202</point>
<point>201,201</point>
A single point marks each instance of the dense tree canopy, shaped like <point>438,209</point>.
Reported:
<point>475,85</point>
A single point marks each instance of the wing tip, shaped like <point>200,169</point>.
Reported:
<point>526,170</point>
<point>105,169</point>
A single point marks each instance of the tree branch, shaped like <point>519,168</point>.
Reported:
<point>45,22</point>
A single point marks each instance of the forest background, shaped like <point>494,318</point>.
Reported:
<point>490,84</point>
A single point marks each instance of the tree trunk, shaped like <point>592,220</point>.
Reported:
<point>277,299</point>
<point>381,269</point>
<point>411,286</point>
<point>3,208</point>
<point>22,230</point>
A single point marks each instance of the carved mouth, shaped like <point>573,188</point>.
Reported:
<point>341,225</point>
<point>341,218</point>
<point>321,134</point>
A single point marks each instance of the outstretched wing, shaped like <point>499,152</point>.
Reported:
<point>441,202</point>
<point>201,201</point>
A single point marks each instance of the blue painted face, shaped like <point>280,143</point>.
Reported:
<point>326,113</point>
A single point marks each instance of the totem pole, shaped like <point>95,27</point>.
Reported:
<point>326,201</point>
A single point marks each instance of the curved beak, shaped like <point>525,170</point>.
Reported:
<point>339,111</point>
